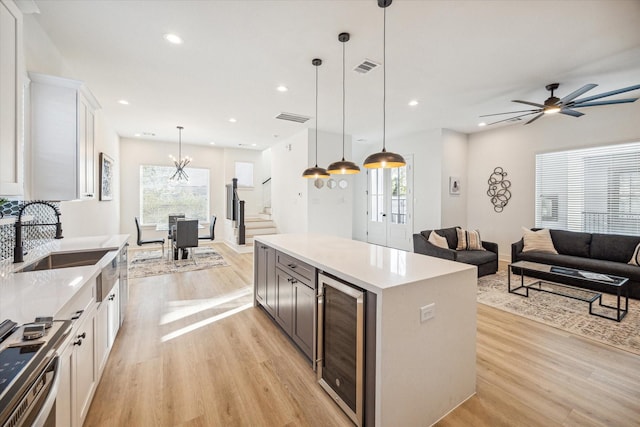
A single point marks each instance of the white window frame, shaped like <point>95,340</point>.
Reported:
<point>592,190</point>
<point>172,192</point>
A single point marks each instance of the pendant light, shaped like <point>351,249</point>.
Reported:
<point>384,159</point>
<point>181,163</point>
<point>316,172</point>
<point>343,167</point>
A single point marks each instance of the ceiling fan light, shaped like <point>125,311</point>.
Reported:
<point>343,167</point>
<point>383,160</point>
<point>315,172</point>
<point>552,109</point>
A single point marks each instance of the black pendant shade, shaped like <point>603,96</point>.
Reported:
<point>384,159</point>
<point>316,172</point>
<point>343,167</point>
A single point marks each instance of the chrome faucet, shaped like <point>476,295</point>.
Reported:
<point>18,251</point>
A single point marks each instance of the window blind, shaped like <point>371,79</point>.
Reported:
<point>595,190</point>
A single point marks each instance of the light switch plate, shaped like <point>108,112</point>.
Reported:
<point>427,312</point>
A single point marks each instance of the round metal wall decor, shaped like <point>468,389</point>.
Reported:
<point>499,189</point>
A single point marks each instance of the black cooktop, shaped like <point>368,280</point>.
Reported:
<point>13,360</point>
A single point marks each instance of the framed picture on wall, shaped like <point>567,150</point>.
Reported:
<point>106,177</point>
<point>454,185</point>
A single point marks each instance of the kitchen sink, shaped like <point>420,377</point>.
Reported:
<point>65,260</point>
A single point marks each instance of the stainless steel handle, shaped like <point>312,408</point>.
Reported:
<point>47,405</point>
<point>320,337</point>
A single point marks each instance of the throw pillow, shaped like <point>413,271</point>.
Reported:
<point>635,258</point>
<point>538,241</point>
<point>469,240</point>
<point>437,240</point>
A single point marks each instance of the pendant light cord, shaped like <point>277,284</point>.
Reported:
<point>343,103</point>
<point>384,78</point>
<point>316,116</point>
<point>180,143</point>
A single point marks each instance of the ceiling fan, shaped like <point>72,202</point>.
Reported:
<point>567,104</point>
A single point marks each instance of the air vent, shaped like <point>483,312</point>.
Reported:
<point>365,66</point>
<point>292,117</point>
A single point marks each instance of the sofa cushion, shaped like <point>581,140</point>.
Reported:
<point>469,240</point>
<point>635,258</point>
<point>477,257</point>
<point>571,243</point>
<point>613,247</point>
<point>449,233</point>
<point>539,241</point>
<point>438,240</point>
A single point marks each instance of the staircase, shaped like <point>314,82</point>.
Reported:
<point>258,225</point>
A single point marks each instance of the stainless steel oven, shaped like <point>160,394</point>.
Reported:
<point>29,377</point>
<point>341,344</point>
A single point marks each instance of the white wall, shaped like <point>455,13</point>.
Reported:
<point>87,217</point>
<point>252,196</point>
<point>454,164</point>
<point>136,152</point>
<point>514,148</point>
<point>330,211</point>
<point>289,197</point>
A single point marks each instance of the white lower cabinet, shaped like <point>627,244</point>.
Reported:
<point>84,366</point>
<point>108,323</point>
<point>78,372</point>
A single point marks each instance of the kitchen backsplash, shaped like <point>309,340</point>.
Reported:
<point>32,236</point>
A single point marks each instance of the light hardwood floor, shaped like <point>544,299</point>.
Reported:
<point>193,351</point>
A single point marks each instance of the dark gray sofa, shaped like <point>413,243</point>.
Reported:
<point>599,253</point>
<point>486,261</point>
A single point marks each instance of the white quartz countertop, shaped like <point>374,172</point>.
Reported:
<point>371,267</point>
<point>23,296</point>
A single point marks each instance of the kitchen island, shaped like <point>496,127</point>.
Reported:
<point>424,368</point>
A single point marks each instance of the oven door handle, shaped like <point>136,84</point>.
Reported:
<point>47,405</point>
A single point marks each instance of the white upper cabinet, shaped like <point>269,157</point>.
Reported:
<point>11,128</point>
<point>63,154</point>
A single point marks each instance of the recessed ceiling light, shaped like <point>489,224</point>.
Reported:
<point>254,145</point>
<point>232,120</point>
<point>137,134</point>
<point>123,102</point>
<point>482,124</point>
<point>282,88</point>
<point>172,38</point>
<point>413,103</point>
<point>212,143</point>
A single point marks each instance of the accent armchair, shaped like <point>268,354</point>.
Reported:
<point>486,261</point>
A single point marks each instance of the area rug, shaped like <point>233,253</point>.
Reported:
<point>153,263</point>
<point>563,313</point>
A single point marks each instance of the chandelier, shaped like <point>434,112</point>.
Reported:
<point>181,163</point>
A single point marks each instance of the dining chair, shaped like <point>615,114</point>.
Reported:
<point>212,226</point>
<point>141,241</point>
<point>185,236</point>
<point>172,223</point>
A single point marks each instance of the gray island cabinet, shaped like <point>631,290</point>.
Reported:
<point>420,352</point>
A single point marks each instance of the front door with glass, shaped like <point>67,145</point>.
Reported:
<point>390,207</point>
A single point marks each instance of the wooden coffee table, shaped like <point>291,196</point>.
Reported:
<point>619,286</point>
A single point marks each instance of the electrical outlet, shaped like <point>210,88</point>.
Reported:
<point>427,312</point>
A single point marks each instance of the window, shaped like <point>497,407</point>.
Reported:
<point>159,197</point>
<point>595,190</point>
<point>244,173</point>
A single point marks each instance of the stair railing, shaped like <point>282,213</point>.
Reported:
<point>237,214</point>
